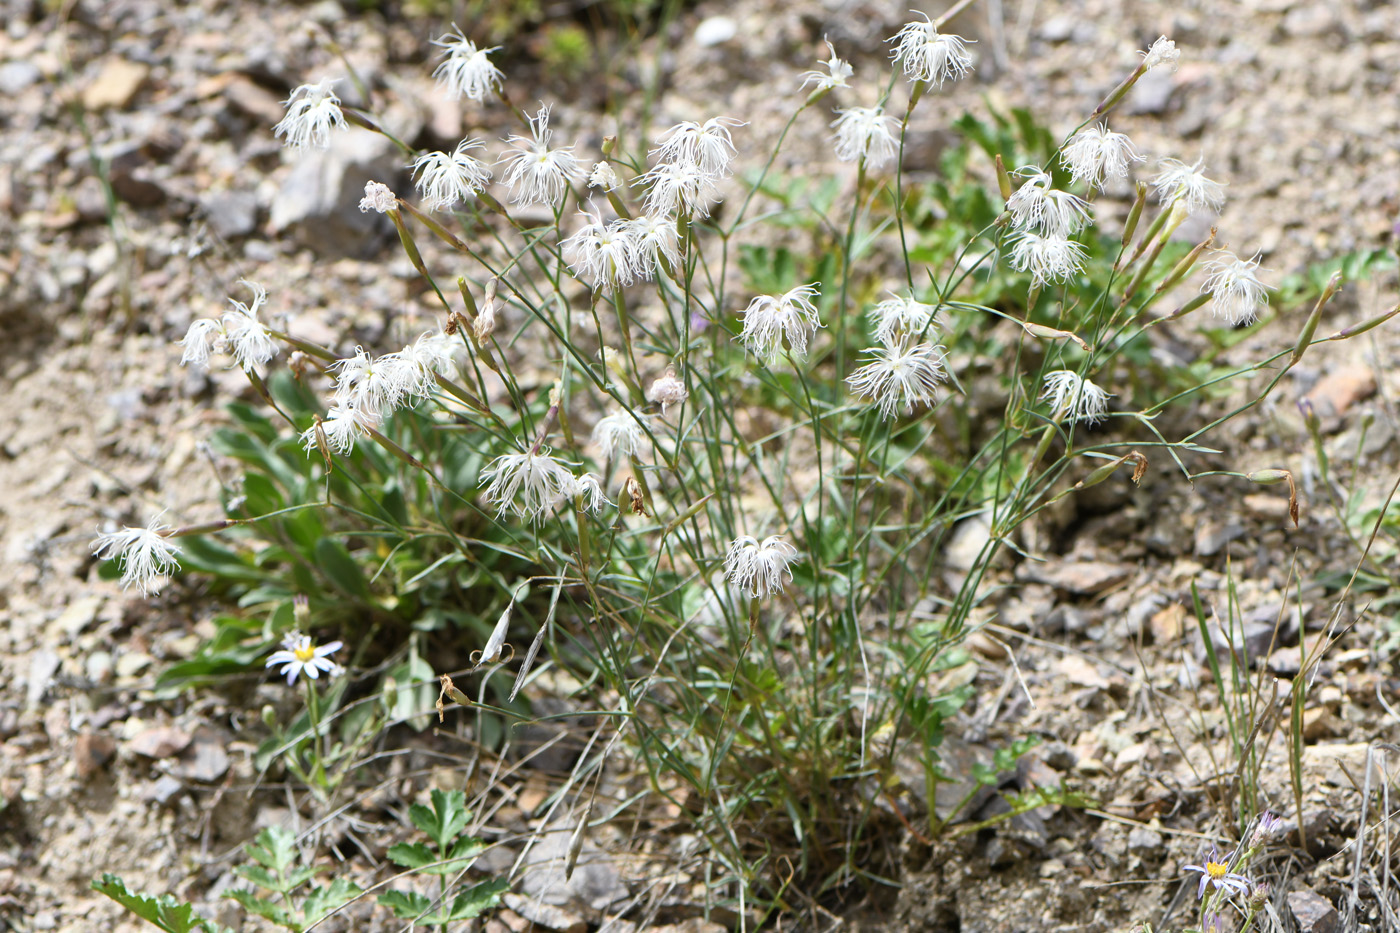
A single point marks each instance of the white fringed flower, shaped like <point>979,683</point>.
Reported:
<point>146,555</point>
<point>656,243</point>
<point>897,378</point>
<point>1037,207</point>
<point>1236,288</point>
<point>465,70</point>
<point>605,254</point>
<point>376,386</point>
<point>1162,52</point>
<point>536,173</point>
<point>604,176</point>
<point>678,187</point>
<point>1177,181</point>
<point>342,426</point>
<point>759,570</point>
<point>865,133</point>
<point>837,71</point>
<point>1073,398</point>
<point>1047,258</point>
<point>1096,153</point>
<point>667,390</point>
<point>446,178</point>
<point>433,354</point>
<point>313,111</point>
<point>769,320</point>
<point>300,655</point>
<point>379,198</point>
<point>618,435</point>
<point>246,337</point>
<point>929,55</point>
<point>707,145</point>
<point>203,335</point>
<point>590,490</point>
<point>528,484</point>
<point>903,316</point>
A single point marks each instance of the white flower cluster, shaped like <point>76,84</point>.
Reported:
<point>444,178</point>
<point>866,135</point>
<point>1073,398</point>
<point>691,159</point>
<point>369,389</point>
<point>1096,154</point>
<point>770,320</point>
<point>1043,220</point>
<point>532,483</point>
<point>618,435</point>
<point>759,569</point>
<point>929,55</point>
<point>836,74</point>
<point>908,366</point>
<point>622,251</point>
<point>465,70</point>
<point>1234,284</point>
<point>1177,181</point>
<point>536,173</point>
<point>237,332</point>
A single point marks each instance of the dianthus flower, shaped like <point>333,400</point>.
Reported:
<point>313,111</point>
<point>1073,398</point>
<point>865,133</point>
<point>538,174</point>
<point>1178,181</point>
<point>707,145</point>
<point>667,390</point>
<point>656,243</point>
<point>898,377</point>
<point>342,426</point>
<point>929,55</point>
<point>1096,153</point>
<point>300,655</point>
<point>903,316</point>
<point>837,71</point>
<point>446,178</point>
<point>374,385</point>
<point>1047,258</point>
<point>1216,873</point>
<point>146,555</point>
<point>604,176</point>
<point>465,70</point>
<point>528,484</point>
<point>1235,285</point>
<point>379,198</point>
<point>605,254</point>
<point>1162,52</point>
<point>1037,207</point>
<point>678,187</point>
<point>590,490</point>
<point>759,569</point>
<point>769,319</point>
<point>248,338</point>
<point>618,435</point>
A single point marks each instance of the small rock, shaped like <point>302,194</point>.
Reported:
<point>1145,843</point>
<point>1336,392</point>
<point>1167,624</point>
<point>43,664</point>
<point>160,742</point>
<point>1320,723</point>
<point>1252,639</point>
<point>16,76</point>
<point>594,885</point>
<point>78,615</point>
<point>132,663</point>
<point>91,752</point>
<point>1212,535</point>
<point>163,790</point>
<point>253,99</point>
<point>544,915</point>
<point>1152,92</point>
<point>207,761</point>
<point>1312,913</point>
<point>231,214</point>
<point>1058,29</point>
<point>115,85</point>
<point>715,30</point>
<point>318,202</point>
<point>1310,19</point>
<point>1083,578</point>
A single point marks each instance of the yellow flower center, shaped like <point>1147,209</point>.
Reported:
<point>309,652</point>
<point>1216,870</point>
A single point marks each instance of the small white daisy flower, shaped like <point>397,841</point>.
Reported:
<point>1178,181</point>
<point>897,378</point>
<point>604,176</point>
<point>313,111</point>
<point>146,555</point>
<point>678,187</point>
<point>1162,52</point>
<point>538,174</point>
<point>300,655</point>
<point>1235,285</point>
<point>1047,258</point>
<point>528,484</point>
<point>605,254</point>
<point>837,71</point>
<point>590,490</point>
<point>667,390</point>
<point>656,243</point>
<point>465,70</point>
<point>1072,398</point>
<point>707,145</point>
<point>203,335</point>
<point>759,570</point>
<point>929,55</point>
<point>378,197</point>
<point>618,435</point>
<point>903,316</point>
<point>248,338</point>
<point>342,426</point>
<point>1040,208</point>
<point>446,178</point>
<point>866,133</point>
<point>771,319</point>
<point>1095,154</point>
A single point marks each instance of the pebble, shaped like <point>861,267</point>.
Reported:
<point>132,663</point>
<point>1084,578</point>
<point>91,752</point>
<point>115,85</point>
<point>1337,392</point>
<point>715,30</point>
<point>318,203</point>
<point>16,76</point>
<point>231,214</point>
<point>160,742</point>
<point>1312,913</point>
<point>1145,843</point>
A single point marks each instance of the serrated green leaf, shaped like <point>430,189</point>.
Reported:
<point>477,900</point>
<point>265,909</point>
<point>165,912</point>
<point>322,901</point>
<point>406,905</point>
<point>411,855</point>
<point>274,848</point>
<point>447,818</point>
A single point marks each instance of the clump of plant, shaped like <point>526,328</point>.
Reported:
<point>732,466</point>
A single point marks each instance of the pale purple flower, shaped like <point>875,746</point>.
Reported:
<point>1215,872</point>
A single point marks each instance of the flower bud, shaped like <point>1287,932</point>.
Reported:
<point>1134,215</point>
<point>1003,179</point>
<point>1310,328</point>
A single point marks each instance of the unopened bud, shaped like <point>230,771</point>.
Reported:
<point>1190,306</point>
<point>613,362</point>
<point>556,392</point>
<point>609,144</point>
<point>667,390</point>
<point>1003,179</point>
<point>1184,266</point>
<point>1272,477</point>
<point>1050,333</point>
<point>1310,328</point>
<point>1135,214</point>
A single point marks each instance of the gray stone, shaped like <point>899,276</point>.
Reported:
<point>1152,92</point>
<point>319,202</point>
<point>231,214</point>
<point>594,883</point>
<point>1145,843</point>
<point>206,762</point>
<point>1312,913</point>
<point>16,76</point>
<point>164,790</point>
<point>1212,535</point>
<point>715,30</point>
